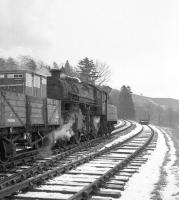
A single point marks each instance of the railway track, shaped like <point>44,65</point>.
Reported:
<point>16,177</point>
<point>30,156</point>
<point>103,175</point>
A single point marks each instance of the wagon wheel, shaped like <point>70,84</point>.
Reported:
<point>3,154</point>
<point>76,138</point>
<point>7,150</point>
<point>92,135</point>
<point>103,130</point>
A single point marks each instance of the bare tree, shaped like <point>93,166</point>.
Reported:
<point>27,62</point>
<point>103,73</point>
<point>55,65</point>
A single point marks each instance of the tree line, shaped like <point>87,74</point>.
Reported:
<point>96,73</point>
<point>87,70</point>
<point>159,115</point>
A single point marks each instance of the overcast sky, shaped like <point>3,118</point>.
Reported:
<point>138,39</point>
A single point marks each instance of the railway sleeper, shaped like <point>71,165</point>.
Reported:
<point>114,187</point>
<point>120,178</point>
<point>100,198</point>
<point>108,193</point>
<point>56,190</point>
<point>116,182</point>
<point>106,178</point>
<point>131,171</point>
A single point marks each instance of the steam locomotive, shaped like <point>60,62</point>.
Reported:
<point>37,110</point>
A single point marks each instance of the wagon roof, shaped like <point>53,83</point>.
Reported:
<point>22,71</point>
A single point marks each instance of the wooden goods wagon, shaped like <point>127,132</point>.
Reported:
<point>18,110</point>
<point>25,120</point>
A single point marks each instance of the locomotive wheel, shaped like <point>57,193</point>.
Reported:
<point>84,138</point>
<point>76,138</point>
<point>103,128</point>
<point>92,135</point>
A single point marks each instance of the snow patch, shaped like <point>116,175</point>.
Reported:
<point>124,137</point>
<point>141,185</point>
<point>171,190</point>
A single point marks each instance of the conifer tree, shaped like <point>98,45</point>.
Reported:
<point>69,70</point>
<point>126,105</point>
<point>87,71</point>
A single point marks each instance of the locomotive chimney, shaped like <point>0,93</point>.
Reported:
<point>57,73</point>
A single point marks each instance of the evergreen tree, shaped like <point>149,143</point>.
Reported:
<point>87,71</point>
<point>69,70</point>
<point>67,67</point>
<point>126,105</point>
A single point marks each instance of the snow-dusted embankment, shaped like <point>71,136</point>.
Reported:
<point>141,184</point>
<point>169,188</point>
<point>122,138</point>
<point>158,178</point>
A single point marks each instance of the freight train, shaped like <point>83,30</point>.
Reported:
<point>37,110</point>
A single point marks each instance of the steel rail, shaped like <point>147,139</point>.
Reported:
<point>6,191</point>
<point>85,193</point>
<point>70,149</point>
<point>33,154</point>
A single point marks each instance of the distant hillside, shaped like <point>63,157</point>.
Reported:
<point>161,111</point>
<point>163,102</point>
<point>168,102</point>
<point>142,100</point>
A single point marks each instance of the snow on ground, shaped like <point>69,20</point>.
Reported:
<point>168,185</point>
<point>124,137</point>
<point>119,123</point>
<point>141,184</point>
<point>159,177</point>
<point>118,127</point>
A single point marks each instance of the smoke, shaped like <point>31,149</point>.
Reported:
<point>64,133</point>
<point>96,122</point>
